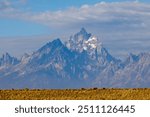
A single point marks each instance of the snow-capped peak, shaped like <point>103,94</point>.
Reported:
<point>83,41</point>
<point>91,43</point>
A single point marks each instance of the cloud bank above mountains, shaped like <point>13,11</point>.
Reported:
<point>117,14</point>
<point>122,26</point>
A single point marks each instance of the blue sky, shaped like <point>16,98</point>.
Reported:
<point>35,22</point>
<point>15,27</point>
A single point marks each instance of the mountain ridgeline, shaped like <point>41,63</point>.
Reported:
<point>81,62</point>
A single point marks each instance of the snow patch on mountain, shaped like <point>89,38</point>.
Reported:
<point>83,41</point>
<point>81,62</point>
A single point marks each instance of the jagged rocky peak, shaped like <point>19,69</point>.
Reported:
<point>5,56</point>
<point>91,44</point>
<point>83,41</point>
<point>51,46</point>
<point>57,42</point>
<point>25,58</point>
<point>8,60</point>
<point>133,57</point>
<point>144,57</point>
<point>85,63</point>
<point>83,33</point>
<point>46,53</point>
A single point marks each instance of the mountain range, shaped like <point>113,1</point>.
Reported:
<point>82,61</point>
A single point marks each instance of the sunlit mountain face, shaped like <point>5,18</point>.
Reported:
<point>82,61</point>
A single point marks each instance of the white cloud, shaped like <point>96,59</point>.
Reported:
<point>120,14</point>
<point>123,21</point>
<point>10,6</point>
<point>5,5</point>
<point>126,12</point>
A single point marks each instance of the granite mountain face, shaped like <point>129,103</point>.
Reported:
<point>81,62</point>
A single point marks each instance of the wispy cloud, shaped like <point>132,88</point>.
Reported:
<point>117,14</point>
<point>123,14</point>
<point>8,8</point>
<point>5,5</point>
<point>119,23</point>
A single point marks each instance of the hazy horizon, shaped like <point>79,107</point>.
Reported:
<point>122,26</point>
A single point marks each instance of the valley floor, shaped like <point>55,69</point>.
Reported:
<point>76,94</point>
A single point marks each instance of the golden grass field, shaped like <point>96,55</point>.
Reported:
<point>76,94</point>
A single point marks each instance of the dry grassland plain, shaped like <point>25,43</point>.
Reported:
<point>76,94</point>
